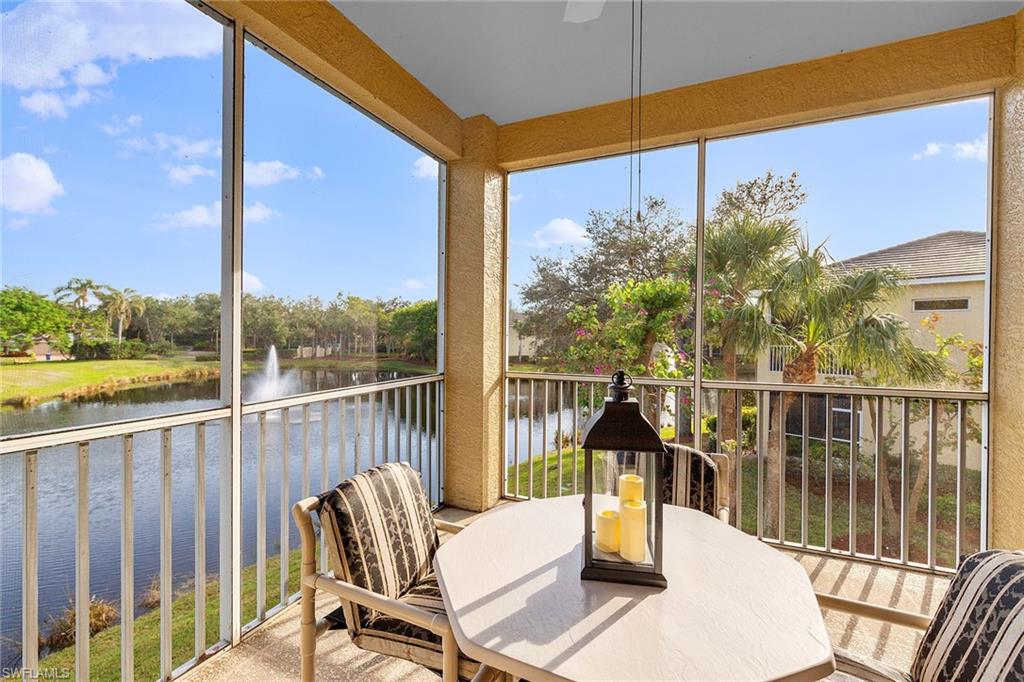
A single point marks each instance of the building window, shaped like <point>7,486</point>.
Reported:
<point>937,304</point>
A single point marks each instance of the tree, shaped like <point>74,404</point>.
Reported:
<point>820,310</point>
<point>743,253</point>
<point>120,305</point>
<point>618,249</point>
<point>413,329</point>
<point>643,314</point>
<point>26,317</point>
<point>77,291</point>
<point>767,197</point>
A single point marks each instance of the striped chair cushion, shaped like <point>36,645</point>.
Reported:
<point>394,637</point>
<point>690,479</point>
<point>380,534</point>
<point>978,630</point>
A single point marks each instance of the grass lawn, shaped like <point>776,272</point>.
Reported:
<point>28,382</point>
<point>546,467</point>
<point>105,646</point>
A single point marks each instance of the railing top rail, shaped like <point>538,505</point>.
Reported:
<point>79,434</point>
<point>833,389</point>
<point>336,393</point>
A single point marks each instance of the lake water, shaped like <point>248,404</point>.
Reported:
<point>57,480</point>
<point>57,484</point>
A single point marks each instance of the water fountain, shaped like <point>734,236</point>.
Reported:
<point>272,383</point>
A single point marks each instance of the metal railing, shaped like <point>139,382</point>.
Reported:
<point>828,365</point>
<point>888,475</point>
<point>166,464</point>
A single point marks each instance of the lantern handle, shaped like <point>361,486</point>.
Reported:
<point>621,385</point>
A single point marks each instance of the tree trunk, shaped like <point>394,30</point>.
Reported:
<point>727,425</point>
<point>802,369</point>
<point>120,329</point>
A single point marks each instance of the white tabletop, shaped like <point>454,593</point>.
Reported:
<point>734,609</point>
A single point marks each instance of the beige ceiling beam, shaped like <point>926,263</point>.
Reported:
<point>959,62</point>
<point>318,38</point>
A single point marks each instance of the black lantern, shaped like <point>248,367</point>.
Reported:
<point>624,460</point>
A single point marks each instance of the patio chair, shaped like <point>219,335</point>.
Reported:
<point>380,537</point>
<point>697,480</point>
<point>977,632</point>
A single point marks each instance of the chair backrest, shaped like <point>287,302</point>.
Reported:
<point>691,479</point>
<point>978,630</point>
<point>380,532</point>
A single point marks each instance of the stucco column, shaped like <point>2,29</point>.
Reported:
<point>474,319</point>
<point>1007,352</point>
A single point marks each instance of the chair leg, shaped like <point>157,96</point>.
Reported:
<point>307,633</point>
<point>449,658</point>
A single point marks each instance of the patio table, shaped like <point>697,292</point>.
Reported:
<point>734,609</point>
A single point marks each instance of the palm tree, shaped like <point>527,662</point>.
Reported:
<point>120,305</point>
<point>822,311</point>
<point>743,254</point>
<point>77,290</point>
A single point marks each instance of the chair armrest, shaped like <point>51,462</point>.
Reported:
<point>873,611</point>
<point>486,674</point>
<point>723,464</point>
<point>448,526</point>
<point>435,622</point>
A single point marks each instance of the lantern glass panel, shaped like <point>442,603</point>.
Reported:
<point>624,509</point>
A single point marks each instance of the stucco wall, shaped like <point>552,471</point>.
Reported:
<point>1007,355</point>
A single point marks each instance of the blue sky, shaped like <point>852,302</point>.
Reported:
<point>872,181</point>
<point>111,154</point>
<point>110,145</point>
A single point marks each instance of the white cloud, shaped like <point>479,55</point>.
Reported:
<point>412,284</point>
<point>178,146</point>
<point>118,127</point>
<point>558,232</point>
<point>976,149</point>
<point>424,167</point>
<point>184,175</point>
<point>257,213</point>
<point>16,223</point>
<point>209,215</point>
<point>251,282</point>
<point>44,104</point>
<point>266,173</point>
<point>515,198</point>
<point>90,75</point>
<point>200,215</point>
<point>27,184</point>
<point>60,50</point>
<point>52,104</point>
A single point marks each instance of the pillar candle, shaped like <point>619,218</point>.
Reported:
<point>607,526</point>
<point>631,487</point>
<point>633,531</point>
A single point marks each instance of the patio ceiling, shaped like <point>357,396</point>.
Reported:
<point>519,60</point>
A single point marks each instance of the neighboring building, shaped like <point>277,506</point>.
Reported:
<point>520,347</point>
<point>945,275</point>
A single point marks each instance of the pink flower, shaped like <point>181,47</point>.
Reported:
<point>686,400</point>
<point>643,311</point>
<point>580,333</point>
<point>682,356</point>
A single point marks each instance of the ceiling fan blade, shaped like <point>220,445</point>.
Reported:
<point>582,11</point>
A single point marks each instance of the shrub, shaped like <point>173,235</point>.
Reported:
<point>162,348</point>
<point>109,349</point>
<point>207,357</point>
<point>60,629</point>
<point>150,599</point>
